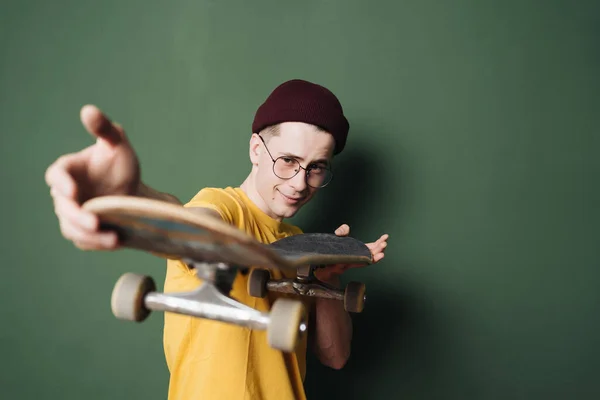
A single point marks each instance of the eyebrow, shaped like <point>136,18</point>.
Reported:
<point>321,160</point>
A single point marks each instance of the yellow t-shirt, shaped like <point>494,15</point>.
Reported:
<point>218,361</point>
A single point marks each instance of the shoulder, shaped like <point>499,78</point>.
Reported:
<point>212,194</point>
<point>222,200</point>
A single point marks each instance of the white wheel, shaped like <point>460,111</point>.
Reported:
<point>257,282</point>
<point>354,297</point>
<point>287,324</point>
<point>127,301</point>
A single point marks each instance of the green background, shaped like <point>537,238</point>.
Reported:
<point>474,144</point>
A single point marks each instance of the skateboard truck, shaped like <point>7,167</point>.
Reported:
<point>134,297</point>
<point>307,284</point>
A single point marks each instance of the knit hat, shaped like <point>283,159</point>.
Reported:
<point>302,101</point>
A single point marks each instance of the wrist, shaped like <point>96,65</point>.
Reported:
<point>140,190</point>
<point>143,190</point>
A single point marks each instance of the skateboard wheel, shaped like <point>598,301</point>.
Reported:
<point>354,297</point>
<point>288,323</point>
<point>257,282</point>
<point>127,301</point>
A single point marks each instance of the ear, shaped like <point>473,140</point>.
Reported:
<point>255,148</point>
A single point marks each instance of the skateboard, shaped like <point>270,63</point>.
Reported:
<point>217,251</point>
<point>310,251</point>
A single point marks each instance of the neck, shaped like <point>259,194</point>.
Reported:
<point>249,187</point>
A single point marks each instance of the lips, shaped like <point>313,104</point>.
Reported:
<point>290,198</point>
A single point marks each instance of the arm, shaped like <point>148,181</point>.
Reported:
<point>332,331</point>
<point>146,191</point>
<point>332,325</point>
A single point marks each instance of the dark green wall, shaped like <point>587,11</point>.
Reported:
<point>474,144</point>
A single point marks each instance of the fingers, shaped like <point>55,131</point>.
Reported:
<point>80,226</point>
<point>377,248</point>
<point>383,238</point>
<point>67,209</point>
<point>99,125</point>
<point>86,241</point>
<point>58,178</point>
<point>343,230</point>
<point>381,243</point>
<point>378,257</point>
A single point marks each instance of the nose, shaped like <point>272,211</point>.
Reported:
<point>298,182</point>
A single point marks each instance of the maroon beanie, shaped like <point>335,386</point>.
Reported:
<point>302,101</point>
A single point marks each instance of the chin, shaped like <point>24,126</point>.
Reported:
<point>288,212</point>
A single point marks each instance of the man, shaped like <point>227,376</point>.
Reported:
<point>296,133</point>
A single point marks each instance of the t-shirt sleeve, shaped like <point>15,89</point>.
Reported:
<point>217,200</point>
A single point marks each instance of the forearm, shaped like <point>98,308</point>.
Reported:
<point>146,191</point>
<point>333,328</point>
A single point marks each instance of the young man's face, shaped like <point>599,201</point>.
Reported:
<point>312,148</point>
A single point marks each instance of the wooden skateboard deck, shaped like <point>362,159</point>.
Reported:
<point>175,232</point>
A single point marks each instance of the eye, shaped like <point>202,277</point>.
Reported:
<point>316,168</point>
<point>288,160</point>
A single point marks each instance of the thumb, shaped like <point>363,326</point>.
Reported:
<point>343,230</point>
<point>99,125</point>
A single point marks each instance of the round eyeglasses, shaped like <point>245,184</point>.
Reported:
<point>318,175</point>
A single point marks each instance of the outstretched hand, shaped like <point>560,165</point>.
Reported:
<point>107,167</point>
<point>377,252</point>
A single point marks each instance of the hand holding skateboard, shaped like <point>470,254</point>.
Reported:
<point>377,249</point>
<point>108,167</point>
